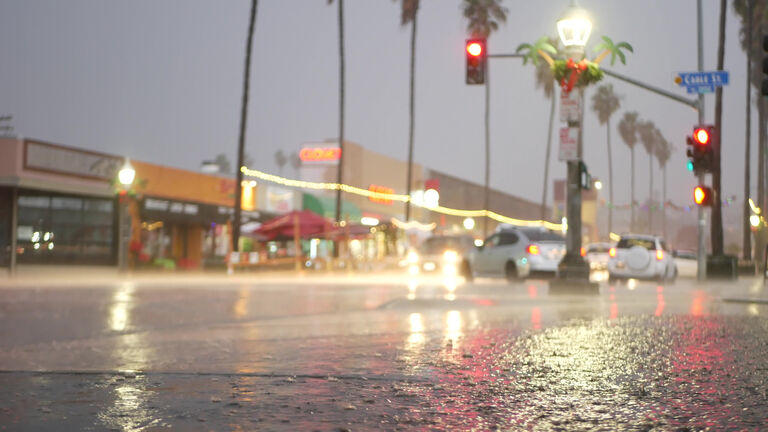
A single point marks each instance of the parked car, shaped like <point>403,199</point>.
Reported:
<point>641,257</point>
<point>516,253</point>
<point>597,255</point>
<point>440,253</point>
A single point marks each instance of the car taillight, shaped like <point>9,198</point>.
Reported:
<point>659,255</point>
<point>612,252</point>
<point>533,249</point>
<point>583,252</point>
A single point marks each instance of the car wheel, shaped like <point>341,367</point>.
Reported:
<point>510,270</point>
<point>466,271</point>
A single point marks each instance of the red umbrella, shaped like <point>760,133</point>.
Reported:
<point>309,223</point>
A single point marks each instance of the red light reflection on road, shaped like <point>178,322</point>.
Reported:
<point>697,305</point>
<point>659,300</point>
<point>536,318</point>
<point>532,291</point>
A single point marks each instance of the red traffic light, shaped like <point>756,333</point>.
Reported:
<point>702,196</point>
<point>701,136</point>
<point>474,48</point>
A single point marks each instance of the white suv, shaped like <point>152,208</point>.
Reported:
<point>641,257</point>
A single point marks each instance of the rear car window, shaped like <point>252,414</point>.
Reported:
<point>541,234</point>
<point>627,243</point>
<point>598,249</point>
<point>436,245</point>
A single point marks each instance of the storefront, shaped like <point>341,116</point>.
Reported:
<point>56,204</point>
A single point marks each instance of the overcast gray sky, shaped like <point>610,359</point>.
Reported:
<point>161,81</point>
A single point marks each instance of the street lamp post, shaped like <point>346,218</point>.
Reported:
<point>574,28</point>
<point>126,175</point>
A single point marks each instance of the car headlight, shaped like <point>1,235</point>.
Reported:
<point>413,257</point>
<point>450,256</point>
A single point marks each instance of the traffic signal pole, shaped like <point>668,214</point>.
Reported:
<point>701,253</point>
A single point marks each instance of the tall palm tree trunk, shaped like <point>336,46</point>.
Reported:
<point>241,138</point>
<point>339,171</point>
<point>650,193</point>
<point>632,192</point>
<point>546,158</point>
<point>761,153</point>
<point>610,178</point>
<point>412,124</point>
<point>746,239</point>
<point>664,202</point>
<point>487,146</point>
<point>716,232</point>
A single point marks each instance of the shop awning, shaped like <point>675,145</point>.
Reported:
<point>326,207</point>
<point>304,223</point>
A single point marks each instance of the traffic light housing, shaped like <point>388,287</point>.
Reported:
<point>764,88</point>
<point>701,149</point>
<point>702,195</point>
<point>585,178</point>
<point>477,61</point>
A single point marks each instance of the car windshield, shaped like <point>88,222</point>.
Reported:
<point>435,245</point>
<point>627,243</point>
<point>541,234</point>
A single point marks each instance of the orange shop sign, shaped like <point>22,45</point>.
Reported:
<point>380,189</point>
<point>319,154</point>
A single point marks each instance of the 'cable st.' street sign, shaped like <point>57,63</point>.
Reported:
<point>702,82</point>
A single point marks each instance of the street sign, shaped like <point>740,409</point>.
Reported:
<point>702,82</point>
<point>569,144</point>
<point>570,106</point>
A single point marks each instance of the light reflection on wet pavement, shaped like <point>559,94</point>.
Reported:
<point>338,356</point>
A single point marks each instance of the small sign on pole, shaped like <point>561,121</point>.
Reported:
<point>570,106</point>
<point>569,144</point>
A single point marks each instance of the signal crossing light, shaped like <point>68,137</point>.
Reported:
<point>764,88</point>
<point>702,196</point>
<point>477,61</point>
<point>700,148</point>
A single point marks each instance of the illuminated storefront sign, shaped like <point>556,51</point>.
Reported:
<point>381,189</point>
<point>320,154</point>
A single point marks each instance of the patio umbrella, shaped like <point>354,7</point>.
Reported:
<point>298,223</point>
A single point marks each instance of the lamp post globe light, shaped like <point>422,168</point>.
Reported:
<point>125,176</point>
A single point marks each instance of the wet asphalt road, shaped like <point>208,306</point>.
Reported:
<point>380,352</point>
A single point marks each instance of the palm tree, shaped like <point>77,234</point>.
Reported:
<point>295,161</point>
<point>628,132</point>
<point>649,138</point>
<point>484,17</point>
<point>545,80</point>
<point>716,232</point>
<point>614,49</point>
<point>341,114</point>
<point>663,153</point>
<point>241,138</point>
<point>409,8</point>
<point>280,160</point>
<point>752,12</point>
<point>604,104</point>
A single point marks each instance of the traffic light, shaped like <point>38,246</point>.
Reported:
<point>477,59</point>
<point>764,89</point>
<point>700,148</point>
<point>702,196</point>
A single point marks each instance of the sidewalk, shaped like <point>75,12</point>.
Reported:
<point>67,276</point>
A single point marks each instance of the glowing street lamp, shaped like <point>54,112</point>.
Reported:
<point>574,27</point>
<point>125,176</point>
